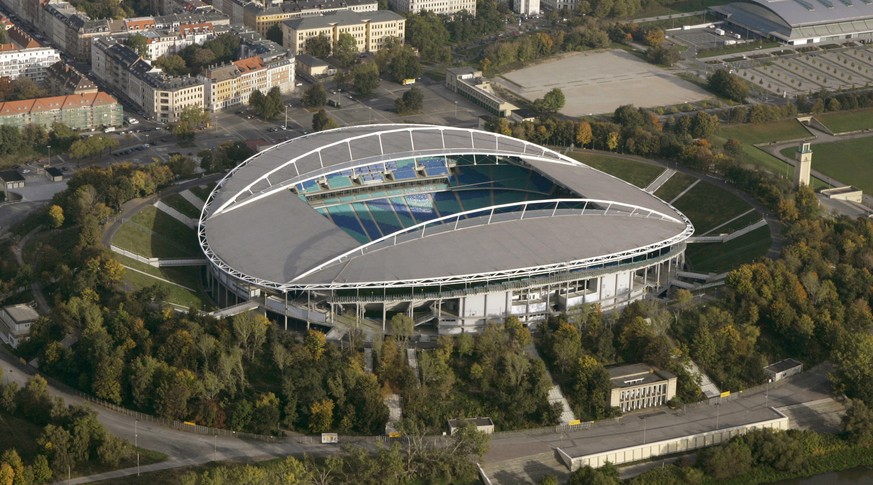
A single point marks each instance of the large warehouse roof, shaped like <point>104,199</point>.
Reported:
<point>255,227</point>
<point>795,19</point>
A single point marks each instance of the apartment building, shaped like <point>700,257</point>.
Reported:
<point>161,97</point>
<point>445,7</point>
<point>640,386</point>
<point>70,30</point>
<point>64,78</point>
<point>25,57</point>
<point>526,7</point>
<point>78,111</point>
<point>370,29</point>
<point>232,84</point>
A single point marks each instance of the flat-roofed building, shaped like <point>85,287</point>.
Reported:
<point>370,29</point>
<point>640,386</point>
<point>445,7</point>
<point>526,7</point>
<point>782,369</point>
<point>470,84</point>
<point>15,323</point>
<point>312,68</point>
<point>11,179</point>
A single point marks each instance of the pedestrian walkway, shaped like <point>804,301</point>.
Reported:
<point>661,180</point>
<point>192,198</point>
<point>555,394</point>
<point>175,214</point>
<point>684,192</point>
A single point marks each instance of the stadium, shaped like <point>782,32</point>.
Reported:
<point>798,22</point>
<point>453,227</point>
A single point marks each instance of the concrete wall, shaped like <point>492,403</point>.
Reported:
<point>667,447</point>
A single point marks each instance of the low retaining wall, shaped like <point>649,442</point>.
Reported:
<point>681,444</point>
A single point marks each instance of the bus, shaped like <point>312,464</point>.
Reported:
<point>408,81</point>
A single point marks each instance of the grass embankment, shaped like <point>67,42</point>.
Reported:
<point>673,187</point>
<point>721,257</point>
<point>847,161</point>
<point>154,234</point>
<point>182,205</point>
<point>637,173</point>
<point>183,286</point>
<point>843,121</point>
<point>709,206</point>
<point>203,191</point>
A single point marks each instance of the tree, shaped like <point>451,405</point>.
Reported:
<point>267,107</point>
<point>346,49</point>
<point>250,329</point>
<point>191,119</point>
<point>725,84</point>
<point>274,33</point>
<point>56,216</point>
<point>139,44</point>
<point>412,101</point>
<point>321,121</point>
<point>42,473</point>
<point>663,56</point>
<point>172,64</point>
<point>402,63</point>
<point>726,461</point>
<point>552,102</point>
<point>315,96</point>
<point>426,32</point>
<point>857,424</point>
<point>401,326</point>
<point>583,133</point>
<point>703,125</point>
<point>605,475</point>
<point>321,416</point>
<point>853,358</point>
<point>318,46</point>
<point>365,77</point>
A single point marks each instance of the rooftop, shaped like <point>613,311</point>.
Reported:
<point>783,365</point>
<point>635,375</point>
<point>21,313</point>
<point>343,17</point>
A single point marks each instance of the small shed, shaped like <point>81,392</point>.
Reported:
<point>483,424</point>
<point>11,179</point>
<point>782,369</point>
<point>54,174</point>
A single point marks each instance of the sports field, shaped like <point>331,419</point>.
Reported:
<point>600,81</point>
<point>847,161</point>
<point>752,134</point>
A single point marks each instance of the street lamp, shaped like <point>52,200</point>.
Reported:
<point>717,409</point>
<point>456,109</point>
<point>645,422</point>
<point>767,393</point>
<point>286,116</point>
<point>50,155</point>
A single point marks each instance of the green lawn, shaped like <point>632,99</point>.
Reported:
<point>740,223</point>
<point>751,134</point>
<point>847,161</point>
<point>708,206</point>
<point>673,187</point>
<point>179,203</point>
<point>678,7</point>
<point>637,173</point>
<point>203,191</point>
<point>735,49</point>
<point>184,276</point>
<point>154,234</point>
<point>843,121</point>
<point>718,258</point>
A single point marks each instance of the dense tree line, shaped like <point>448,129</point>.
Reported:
<point>487,374</point>
<point>267,106</point>
<point>20,88</point>
<point>194,59</point>
<point>71,435</point>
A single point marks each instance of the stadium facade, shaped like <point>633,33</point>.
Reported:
<point>454,227</point>
<point>798,22</point>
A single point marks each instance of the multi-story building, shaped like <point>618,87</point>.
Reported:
<point>161,97</point>
<point>78,111</point>
<point>173,40</point>
<point>526,7</point>
<point>70,30</point>
<point>640,386</point>
<point>470,84</point>
<point>446,7</point>
<point>25,57</point>
<point>260,18</point>
<point>233,84</point>
<point>560,4</point>
<point>370,29</point>
<point>64,78</point>
<point>15,323</point>
<point>176,20</point>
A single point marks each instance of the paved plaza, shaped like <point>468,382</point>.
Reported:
<point>598,82</point>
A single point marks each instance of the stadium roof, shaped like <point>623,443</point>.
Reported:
<point>795,19</point>
<point>256,228</point>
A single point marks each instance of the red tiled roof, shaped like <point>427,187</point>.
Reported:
<point>8,47</point>
<point>249,64</point>
<point>10,108</point>
<point>21,38</point>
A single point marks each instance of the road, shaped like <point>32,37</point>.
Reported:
<point>526,457</point>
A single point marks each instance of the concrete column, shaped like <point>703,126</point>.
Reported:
<point>285,310</point>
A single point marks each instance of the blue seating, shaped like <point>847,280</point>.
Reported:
<point>474,199</point>
<point>367,221</point>
<point>507,197</point>
<point>421,207</point>
<point>433,166</point>
<point>345,219</point>
<point>384,215</point>
<point>308,186</point>
<point>402,211</point>
<point>446,203</point>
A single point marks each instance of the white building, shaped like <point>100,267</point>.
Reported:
<point>25,57</point>
<point>526,7</point>
<point>15,323</point>
<point>446,7</point>
<point>370,29</point>
<point>640,386</point>
<point>232,84</point>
